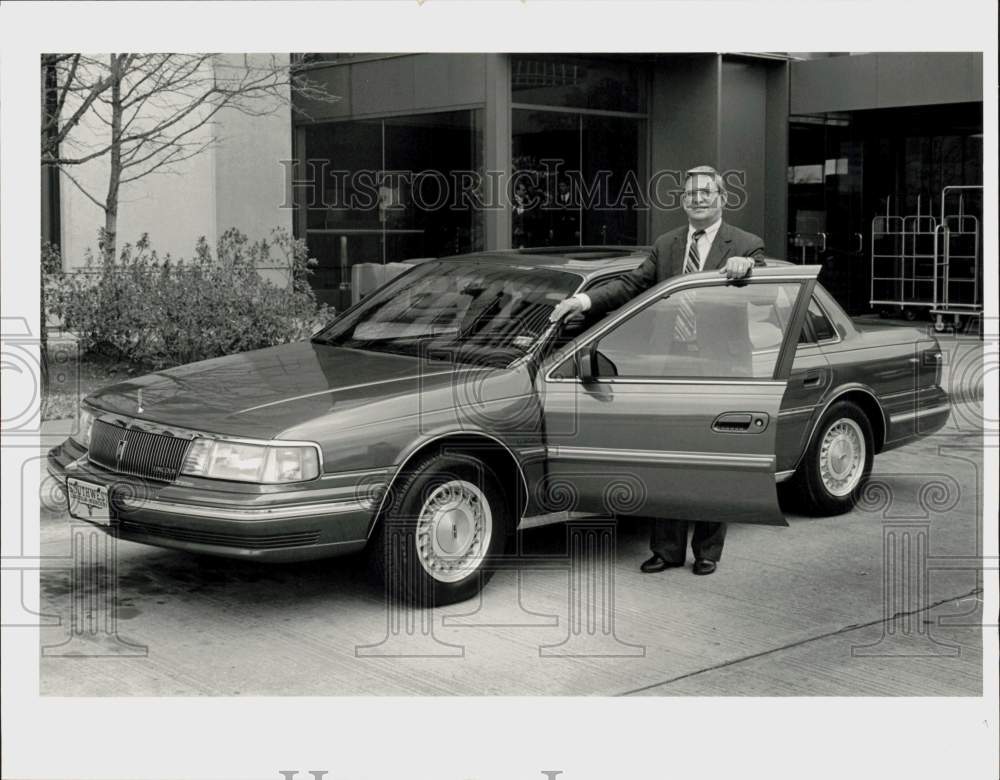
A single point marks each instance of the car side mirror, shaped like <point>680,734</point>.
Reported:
<point>586,363</point>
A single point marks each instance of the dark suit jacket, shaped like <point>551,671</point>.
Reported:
<point>667,259</point>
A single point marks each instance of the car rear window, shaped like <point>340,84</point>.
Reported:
<point>821,326</point>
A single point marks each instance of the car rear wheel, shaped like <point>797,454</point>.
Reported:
<point>838,461</point>
<point>446,521</point>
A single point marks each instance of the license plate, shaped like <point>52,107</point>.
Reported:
<point>88,501</point>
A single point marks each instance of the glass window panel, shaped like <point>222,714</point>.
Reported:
<point>545,151</point>
<point>577,179</point>
<point>574,81</point>
<point>379,191</point>
<point>335,254</point>
<point>429,159</point>
<point>342,162</point>
<point>821,325</point>
<point>706,332</point>
<point>612,185</point>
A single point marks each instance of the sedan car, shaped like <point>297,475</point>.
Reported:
<point>427,421</point>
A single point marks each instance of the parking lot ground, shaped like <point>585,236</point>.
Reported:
<point>817,608</point>
<point>836,664</point>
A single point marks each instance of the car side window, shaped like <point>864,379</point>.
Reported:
<point>716,332</point>
<point>822,328</point>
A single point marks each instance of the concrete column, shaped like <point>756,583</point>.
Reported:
<point>497,152</point>
<point>776,160</point>
<point>684,127</point>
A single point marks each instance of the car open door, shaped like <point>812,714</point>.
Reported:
<point>668,408</point>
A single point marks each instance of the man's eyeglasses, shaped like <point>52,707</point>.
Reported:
<point>700,194</point>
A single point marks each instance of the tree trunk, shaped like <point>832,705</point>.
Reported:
<point>43,337</point>
<point>110,237</point>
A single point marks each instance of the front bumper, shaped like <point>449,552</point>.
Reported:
<point>331,516</point>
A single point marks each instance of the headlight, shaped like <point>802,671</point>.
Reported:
<point>220,459</point>
<point>82,436</point>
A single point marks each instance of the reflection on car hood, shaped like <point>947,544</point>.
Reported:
<point>259,394</point>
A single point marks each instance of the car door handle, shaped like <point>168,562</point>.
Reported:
<point>740,422</point>
<point>812,379</point>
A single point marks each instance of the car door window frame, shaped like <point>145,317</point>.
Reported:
<point>807,323</point>
<point>782,366</point>
<point>546,350</point>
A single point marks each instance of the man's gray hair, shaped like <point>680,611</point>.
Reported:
<point>707,170</point>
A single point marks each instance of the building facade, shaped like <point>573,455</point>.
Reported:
<point>439,154</point>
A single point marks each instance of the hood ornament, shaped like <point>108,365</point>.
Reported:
<point>138,402</point>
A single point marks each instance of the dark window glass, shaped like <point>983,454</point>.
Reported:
<point>389,190</point>
<point>545,209</point>
<point>577,179</point>
<point>821,326</point>
<point>426,215</point>
<point>573,81</point>
<point>848,171</point>
<point>342,164</point>
<point>611,171</point>
<point>705,332</point>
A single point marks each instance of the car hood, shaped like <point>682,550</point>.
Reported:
<point>259,394</point>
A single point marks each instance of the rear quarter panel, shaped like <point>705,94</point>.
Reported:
<point>901,368</point>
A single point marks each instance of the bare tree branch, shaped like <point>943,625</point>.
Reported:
<point>82,189</point>
<point>56,133</point>
<point>149,112</point>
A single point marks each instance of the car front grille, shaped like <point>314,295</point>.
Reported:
<point>137,453</point>
<point>259,542</point>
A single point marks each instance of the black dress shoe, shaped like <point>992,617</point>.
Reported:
<point>658,563</point>
<point>702,566</point>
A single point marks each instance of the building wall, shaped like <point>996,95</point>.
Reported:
<point>684,124</point>
<point>742,134</point>
<point>398,84</point>
<point>776,160</point>
<point>885,80</point>
<point>731,113</point>
<point>252,171</point>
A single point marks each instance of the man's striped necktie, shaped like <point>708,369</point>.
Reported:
<point>684,324</point>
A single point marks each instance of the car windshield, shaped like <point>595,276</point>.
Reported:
<point>461,311</point>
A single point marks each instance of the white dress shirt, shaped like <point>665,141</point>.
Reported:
<point>704,247</point>
<point>704,242</point>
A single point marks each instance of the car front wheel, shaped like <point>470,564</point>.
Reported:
<point>838,461</point>
<point>446,521</point>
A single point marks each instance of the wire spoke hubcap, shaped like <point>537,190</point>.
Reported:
<point>842,457</point>
<point>454,530</point>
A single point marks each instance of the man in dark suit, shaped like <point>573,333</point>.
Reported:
<point>706,242</point>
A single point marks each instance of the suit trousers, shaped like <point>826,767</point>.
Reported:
<point>668,539</point>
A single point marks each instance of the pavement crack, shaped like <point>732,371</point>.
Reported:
<point>800,643</point>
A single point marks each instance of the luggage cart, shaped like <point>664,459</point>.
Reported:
<point>904,261</point>
<point>958,266</point>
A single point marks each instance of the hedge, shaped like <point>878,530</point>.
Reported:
<point>161,312</point>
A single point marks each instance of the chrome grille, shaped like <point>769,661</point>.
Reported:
<point>257,542</point>
<point>144,454</point>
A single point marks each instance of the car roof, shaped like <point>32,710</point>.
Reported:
<point>588,261</point>
<point>584,260</point>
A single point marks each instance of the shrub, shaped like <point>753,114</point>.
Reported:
<point>162,312</point>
